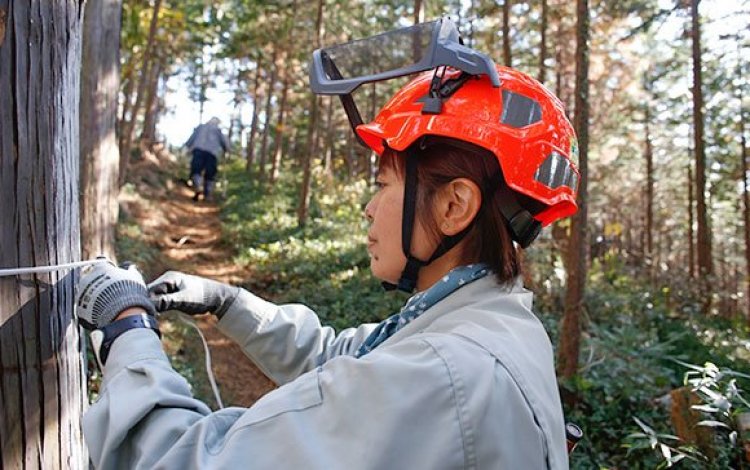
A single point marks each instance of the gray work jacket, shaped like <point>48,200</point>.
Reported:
<point>469,384</point>
<point>209,138</point>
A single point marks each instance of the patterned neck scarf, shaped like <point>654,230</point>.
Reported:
<point>417,304</point>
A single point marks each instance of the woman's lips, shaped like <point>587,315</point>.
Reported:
<point>370,244</point>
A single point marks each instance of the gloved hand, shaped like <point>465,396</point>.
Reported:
<point>191,294</point>
<point>105,291</point>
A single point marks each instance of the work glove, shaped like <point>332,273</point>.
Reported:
<point>105,291</point>
<point>191,294</point>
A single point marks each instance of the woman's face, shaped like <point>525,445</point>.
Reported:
<point>384,211</point>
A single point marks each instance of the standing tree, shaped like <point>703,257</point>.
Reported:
<point>42,385</point>
<point>128,128</point>
<point>507,58</point>
<point>250,158</point>
<point>649,156</point>
<point>705,269</point>
<point>542,76</point>
<point>100,159</point>
<point>570,335</point>
<point>743,167</point>
<point>304,199</point>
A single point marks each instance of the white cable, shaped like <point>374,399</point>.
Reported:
<point>78,264</point>
<point>50,268</point>
<point>189,321</point>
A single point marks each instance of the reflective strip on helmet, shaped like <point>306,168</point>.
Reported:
<point>519,110</point>
<point>557,171</point>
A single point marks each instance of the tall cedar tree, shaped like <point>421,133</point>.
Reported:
<point>304,199</point>
<point>100,158</point>
<point>570,331</point>
<point>42,380</point>
<point>705,268</point>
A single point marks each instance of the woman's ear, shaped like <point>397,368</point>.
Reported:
<point>458,205</point>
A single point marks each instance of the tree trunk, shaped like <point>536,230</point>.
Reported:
<point>649,154</point>
<point>254,122</point>
<point>691,221</point>
<point>127,102</point>
<point>267,119</point>
<point>508,60</point>
<point>129,128</point>
<point>704,236</point>
<point>304,199</point>
<point>745,194</point>
<point>328,168</point>
<point>148,133</point>
<point>543,45</point>
<point>370,155</point>
<point>418,12</point>
<point>100,157</point>
<point>284,104</point>
<point>570,334</point>
<point>280,131</point>
<point>42,378</point>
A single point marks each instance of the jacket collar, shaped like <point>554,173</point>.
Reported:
<point>511,296</point>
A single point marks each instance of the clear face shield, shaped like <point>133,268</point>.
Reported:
<point>341,69</point>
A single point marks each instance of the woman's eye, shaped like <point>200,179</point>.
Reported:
<point>380,185</point>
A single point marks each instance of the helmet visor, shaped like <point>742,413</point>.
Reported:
<point>340,69</point>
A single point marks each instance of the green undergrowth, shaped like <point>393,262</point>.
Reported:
<point>324,264</point>
<point>638,345</point>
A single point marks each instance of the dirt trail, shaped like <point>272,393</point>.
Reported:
<point>188,235</point>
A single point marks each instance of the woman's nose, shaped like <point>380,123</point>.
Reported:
<point>369,210</point>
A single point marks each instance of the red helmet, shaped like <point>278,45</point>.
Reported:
<point>522,123</point>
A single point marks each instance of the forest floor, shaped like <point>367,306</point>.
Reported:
<point>185,235</point>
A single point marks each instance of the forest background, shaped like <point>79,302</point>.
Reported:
<point>645,293</point>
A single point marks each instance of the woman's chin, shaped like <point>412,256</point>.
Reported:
<point>380,273</point>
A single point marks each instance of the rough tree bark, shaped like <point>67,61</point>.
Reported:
<point>42,382</point>
<point>705,269</point>
<point>100,158</point>
<point>570,331</point>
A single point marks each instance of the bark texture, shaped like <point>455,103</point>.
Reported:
<point>42,382</point>
<point>100,155</point>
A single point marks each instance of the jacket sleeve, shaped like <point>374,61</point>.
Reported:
<point>285,341</point>
<point>191,139</point>
<point>338,416</point>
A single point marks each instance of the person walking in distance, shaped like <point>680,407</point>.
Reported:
<point>207,143</point>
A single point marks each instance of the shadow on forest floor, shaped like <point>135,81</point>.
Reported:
<point>161,228</point>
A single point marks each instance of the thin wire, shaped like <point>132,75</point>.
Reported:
<point>77,264</point>
<point>46,269</point>
<point>207,353</point>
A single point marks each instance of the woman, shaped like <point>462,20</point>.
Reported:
<point>462,377</point>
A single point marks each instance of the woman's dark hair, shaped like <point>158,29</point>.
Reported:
<point>440,162</point>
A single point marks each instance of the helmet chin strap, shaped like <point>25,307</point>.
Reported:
<point>408,280</point>
<point>521,223</point>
